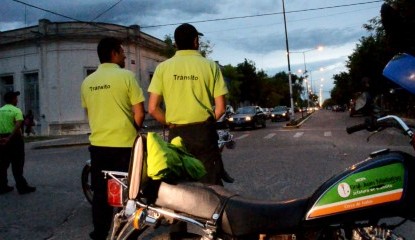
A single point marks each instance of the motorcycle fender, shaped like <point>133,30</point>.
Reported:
<point>368,185</point>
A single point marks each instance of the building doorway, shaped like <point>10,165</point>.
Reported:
<point>31,96</point>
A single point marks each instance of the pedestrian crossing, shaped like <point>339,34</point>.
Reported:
<point>274,134</point>
<point>295,135</point>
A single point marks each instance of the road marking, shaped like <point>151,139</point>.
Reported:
<point>298,134</point>
<point>242,136</point>
<point>270,135</point>
<point>327,134</point>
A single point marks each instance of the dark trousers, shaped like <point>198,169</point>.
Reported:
<point>201,140</point>
<point>105,158</point>
<point>13,153</point>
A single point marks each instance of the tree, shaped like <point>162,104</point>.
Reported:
<point>250,87</point>
<point>205,47</point>
<point>232,79</point>
<point>389,34</point>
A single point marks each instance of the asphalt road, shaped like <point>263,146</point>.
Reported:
<point>272,163</point>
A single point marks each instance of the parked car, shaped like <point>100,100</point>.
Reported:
<point>339,108</point>
<point>251,116</point>
<point>222,123</point>
<point>280,113</point>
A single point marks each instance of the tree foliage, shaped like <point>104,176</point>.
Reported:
<point>205,47</point>
<point>388,34</point>
<point>250,86</point>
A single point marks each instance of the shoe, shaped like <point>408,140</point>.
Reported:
<point>6,189</point>
<point>227,178</point>
<point>25,190</point>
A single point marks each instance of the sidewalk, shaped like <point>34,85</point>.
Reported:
<point>60,141</point>
<point>70,140</point>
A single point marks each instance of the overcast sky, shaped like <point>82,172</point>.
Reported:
<point>237,29</point>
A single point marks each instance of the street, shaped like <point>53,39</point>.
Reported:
<point>272,163</point>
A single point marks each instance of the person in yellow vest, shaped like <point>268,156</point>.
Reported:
<point>189,84</point>
<point>113,101</point>
<point>12,145</point>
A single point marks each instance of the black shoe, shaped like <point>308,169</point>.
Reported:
<point>26,189</point>
<point>227,178</point>
<point>6,189</point>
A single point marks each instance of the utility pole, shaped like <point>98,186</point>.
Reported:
<point>288,59</point>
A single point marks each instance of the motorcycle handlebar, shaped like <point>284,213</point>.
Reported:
<point>380,123</point>
<point>356,128</point>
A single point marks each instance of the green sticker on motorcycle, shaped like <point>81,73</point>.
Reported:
<point>362,189</point>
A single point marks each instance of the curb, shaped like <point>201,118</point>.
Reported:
<point>60,145</point>
<point>299,124</point>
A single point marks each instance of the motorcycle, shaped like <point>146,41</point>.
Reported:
<point>225,140</point>
<point>350,205</point>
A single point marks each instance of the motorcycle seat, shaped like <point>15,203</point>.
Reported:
<point>240,216</point>
<point>193,198</point>
<point>244,217</point>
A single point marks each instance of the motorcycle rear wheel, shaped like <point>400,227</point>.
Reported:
<point>86,183</point>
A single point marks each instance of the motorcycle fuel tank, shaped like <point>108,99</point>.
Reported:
<point>370,186</point>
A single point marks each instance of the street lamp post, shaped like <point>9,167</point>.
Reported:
<point>288,59</point>
<point>319,48</point>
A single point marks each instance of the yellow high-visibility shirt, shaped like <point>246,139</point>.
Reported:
<point>108,94</point>
<point>188,83</point>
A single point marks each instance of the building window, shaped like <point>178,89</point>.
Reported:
<point>89,71</point>
<point>6,85</point>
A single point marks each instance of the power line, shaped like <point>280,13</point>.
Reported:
<point>99,15</point>
<point>46,10</point>
<point>71,18</point>
<point>265,14</point>
<point>202,21</point>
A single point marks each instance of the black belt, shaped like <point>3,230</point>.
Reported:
<point>209,120</point>
<point>3,135</point>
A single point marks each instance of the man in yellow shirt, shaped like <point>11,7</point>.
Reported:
<point>190,84</point>
<point>12,145</point>
<point>114,104</point>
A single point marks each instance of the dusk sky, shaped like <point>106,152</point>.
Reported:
<point>237,30</point>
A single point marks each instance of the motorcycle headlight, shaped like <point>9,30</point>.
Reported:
<point>283,114</point>
<point>230,119</point>
<point>248,118</point>
<point>272,115</point>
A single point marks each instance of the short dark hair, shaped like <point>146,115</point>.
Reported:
<point>106,46</point>
<point>184,35</point>
<point>9,96</point>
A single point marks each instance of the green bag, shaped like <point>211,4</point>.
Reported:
<point>171,160</point>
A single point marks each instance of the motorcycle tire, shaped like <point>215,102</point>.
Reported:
<point>86,183</point>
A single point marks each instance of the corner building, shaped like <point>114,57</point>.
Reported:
<point>48,62</point>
